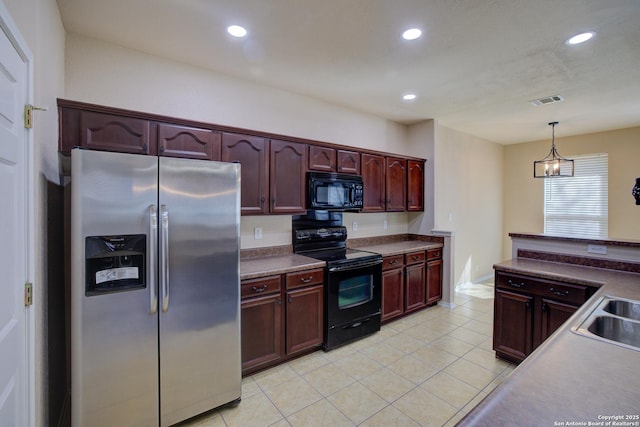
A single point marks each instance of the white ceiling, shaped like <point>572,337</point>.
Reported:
<point>475,68</point>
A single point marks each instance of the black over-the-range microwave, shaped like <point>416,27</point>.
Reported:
<point>334,191</point>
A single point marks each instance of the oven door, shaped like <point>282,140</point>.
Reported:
<point>353,292</point>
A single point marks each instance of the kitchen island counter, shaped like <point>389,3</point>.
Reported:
<point>570,379</point>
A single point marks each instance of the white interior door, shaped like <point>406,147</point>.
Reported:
<point>14,235</point>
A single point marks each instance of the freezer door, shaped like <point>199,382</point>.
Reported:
<point>114,332</point>
<point>199,217</point>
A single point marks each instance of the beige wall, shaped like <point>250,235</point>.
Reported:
<point>468,200</point>
<point>41,27</point>
<point>523,194</point>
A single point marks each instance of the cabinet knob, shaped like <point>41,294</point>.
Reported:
<point>259,289</point>
<point>306,279</point>
<point>289,300</point>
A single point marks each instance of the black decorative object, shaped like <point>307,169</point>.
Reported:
<point>636,191</point>
<point>554,165</point>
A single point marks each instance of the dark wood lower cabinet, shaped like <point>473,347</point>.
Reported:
<point>529,309</point>
<point>415,287</point>
<point>514,342</point>
<point>304,318</point>
<point>554,314</point>
<point>392,293</point>
<point>434,281</point>
<point>280,322</point>
<point>262,331</point>
<point>410,282</point>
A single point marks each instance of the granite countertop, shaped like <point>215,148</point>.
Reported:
<point>251,268</point>
<point>570,378</point>
<point>397,248</point>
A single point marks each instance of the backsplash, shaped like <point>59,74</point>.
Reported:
<point>263,231</point>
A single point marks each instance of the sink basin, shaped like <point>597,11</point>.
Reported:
<point>616,329</point>
<point>623,308</point>
<point>613,320</point>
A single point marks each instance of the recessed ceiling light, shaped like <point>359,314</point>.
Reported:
<point>580,38</point>
<point>236,31</point>
<point>409,97</point>
<point>411,34</point>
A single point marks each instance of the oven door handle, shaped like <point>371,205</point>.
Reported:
<point>356,266</point>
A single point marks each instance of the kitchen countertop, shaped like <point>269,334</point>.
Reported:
<point>251,268</point>
<point>397,248</point>
<point>570,379</point>
<point>261,266</point>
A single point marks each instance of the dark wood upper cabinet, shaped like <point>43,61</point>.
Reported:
<point>415,185</point>
<point>273,171</point>
<point>251,152</point>
<point>108,132</point>
<point>188,142</point>
<point>287,168</point>
<point>348,162</point>
<point>396,184</point>
<point>373,178</point>
<point>322,158</point>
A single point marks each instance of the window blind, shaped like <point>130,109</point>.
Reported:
<point>578,206</point>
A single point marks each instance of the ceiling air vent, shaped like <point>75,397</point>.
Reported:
<point>547,100</point>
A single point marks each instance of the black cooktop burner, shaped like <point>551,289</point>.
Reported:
<point>329,244</point>
<point>342,256</point>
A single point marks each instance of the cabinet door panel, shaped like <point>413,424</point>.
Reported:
<point>554,314</point>
<point>348,162</point>
<point>187,142</point>
<point>115,133</point>
<point>415,185</point>
<point>251,153</point>
<point>373,173</point>
<point>396,176</point>
<point>287,170</point>
<point>322,159</point>
<point>515,311</point>
<point>434,281</point>
<point>392,294</point>
<point>304,318</point>
<point>415,287</point>
<point>262,331</point>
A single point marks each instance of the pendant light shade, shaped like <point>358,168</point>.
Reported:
<point>554,165</point>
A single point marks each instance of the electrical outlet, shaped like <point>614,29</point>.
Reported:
<point>354,226</point>
<point>385,224</point>
<point>597,249</point>
<point>257,233</point>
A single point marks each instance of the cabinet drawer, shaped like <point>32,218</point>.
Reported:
<point>564,292</point>
<point>261,286</point>
<point>415,257</point>
<point>391,262</point>
<point>305,278</point>
<point>434,254</point>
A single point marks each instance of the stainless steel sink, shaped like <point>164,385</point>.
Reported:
<point>613,320</point>
<point>623,308</point>
<point>616,329</point>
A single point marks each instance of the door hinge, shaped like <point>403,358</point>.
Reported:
<point>28,294</point>
<point>28,114</point>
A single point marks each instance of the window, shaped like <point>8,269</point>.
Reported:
<point>578,206</point>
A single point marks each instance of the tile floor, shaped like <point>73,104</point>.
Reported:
<point>427,369</point>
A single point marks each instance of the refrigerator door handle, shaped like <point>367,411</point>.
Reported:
<point>164,257</point>
<point>152,257</point>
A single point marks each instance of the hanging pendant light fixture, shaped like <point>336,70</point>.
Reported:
<point>554,165</point>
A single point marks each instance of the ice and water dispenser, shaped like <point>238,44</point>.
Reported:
<point>115,263</point>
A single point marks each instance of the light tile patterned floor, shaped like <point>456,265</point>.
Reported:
<point>427,369</point>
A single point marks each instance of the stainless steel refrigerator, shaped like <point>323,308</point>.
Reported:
<point>155,307</point>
